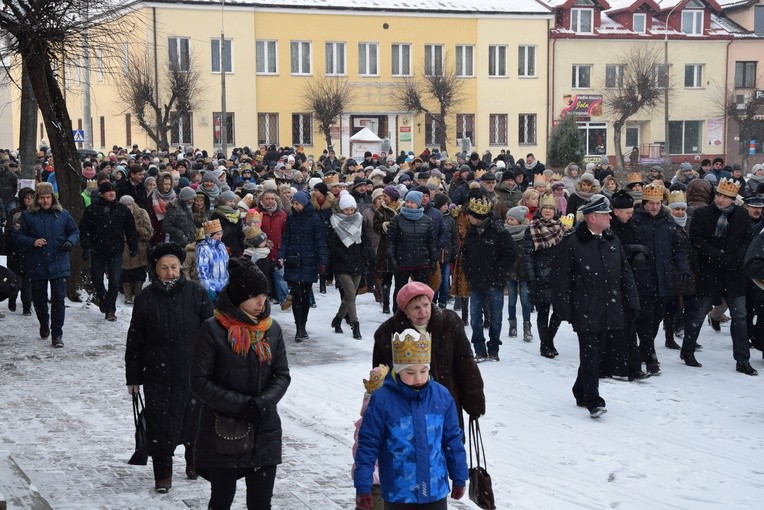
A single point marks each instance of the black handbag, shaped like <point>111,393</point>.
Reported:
<point>481,488</point>
<point>10,283</point>
<point>141,455</point>
<point>232,436</point>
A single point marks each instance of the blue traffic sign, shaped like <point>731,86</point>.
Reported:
<point>79,135</point>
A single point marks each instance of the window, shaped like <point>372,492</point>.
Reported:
<point>125,58</point>
<point>595,138</point>
<point>464,61</point>
<point>265,57</point>
<point>227,55</point>
<point>613,76</point>
<point>632,137</point>
<point>639,22</point>
<point>497,129</point>
<point>302,129</point>
<point>526,61</point>
<point>102,130</point>
<point>758,23</point>
<point>581,20</point>
<point>335,58</point>
<point>660,75</point>
<point>526,129</point>
<point>367,59</point>
<point>431,128</point>
<point>181,131</point>
<point>179,53</point>
<point>128,130</point>
<point>401,60</point>
<point>497,60</point>
<point>745,75</point>
<point>684,136</point>
<point>300,57</point>
<point>465,126</point>
<point>693,76</point>
<point>692,21</point>
<point>433,60</point>
<point>99,64</point>
<point>582,76</point>
<point>230,128</point>
<point>268,128</point>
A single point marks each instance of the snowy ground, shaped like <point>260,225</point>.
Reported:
<point>691,438</point>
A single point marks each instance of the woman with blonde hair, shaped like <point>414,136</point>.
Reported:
<point>530,200</point>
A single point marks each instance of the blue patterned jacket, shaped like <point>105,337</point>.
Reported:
<point>417,439</point>
<point>212,264</point>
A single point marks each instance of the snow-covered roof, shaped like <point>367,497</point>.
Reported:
<point>449,6</point>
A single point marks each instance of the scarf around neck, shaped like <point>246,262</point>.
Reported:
<point>229,213</point>
<point>546,233</point>
<point>270,208</point>
<point>243,336</point>
<point>517,231</point>
<point>723,221</point>
<point>680,221</point>
<point>160,200</point>
<point>347,228</point>
<point>412,214</point>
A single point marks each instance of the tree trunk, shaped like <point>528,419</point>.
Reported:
<point>58,125</point>
<point>27,128</point>
<point>327,136</point>
<point>617,129</point>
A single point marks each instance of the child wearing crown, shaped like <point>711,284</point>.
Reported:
<point>411,428</point>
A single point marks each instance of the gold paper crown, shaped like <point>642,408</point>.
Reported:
<point>413,349</point>
<point>376,378</point>
<point>653,192</point>
<point>247,202</point>
<point>479,206</point>
<point>91,184</point>
<point>199,235</point>
<point>677,196</point>
<point>254,216</point>
<point>245,166</point>
<point>479,174</point>
<point>331,180</point>
<point>727,187</point>
<point>633,178</point>
<point>555,177</point>
<point>567,221</point>
<point>252,231</point>
<point>539,180</point>
<point>212,226</point>
<point>548,201</point>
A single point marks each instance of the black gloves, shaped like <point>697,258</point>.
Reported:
<point>255,410</point>
<point>66,246</point>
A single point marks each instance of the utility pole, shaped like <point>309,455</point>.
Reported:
<point>87,119</point>
<point>223,130</point>
<point>667,153</point>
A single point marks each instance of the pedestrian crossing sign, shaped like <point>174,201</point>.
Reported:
<point>79,135</point>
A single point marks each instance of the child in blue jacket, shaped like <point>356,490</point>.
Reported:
<point>411,428</point>
<point>212,259</point>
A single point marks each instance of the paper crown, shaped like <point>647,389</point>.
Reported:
<point>547,201</point>
<point>247,202</point>
<point>539,180</point>
<point>634,178</point>
<point>567,221</point>
<point>376,378</point>
<point>479,206</point>
<point>555,177</point>
<point>727,187</point>
<point>254,216</point>
<point>245,166</point>
<point>199,234</point>
<point>252,231</point>
<point>91,184</point>
<point>410,347</point>
<point>653,192</point>
<point>479,174</point>
<point>212,226</point>
<point>677,196</point>
<point>332,180</point>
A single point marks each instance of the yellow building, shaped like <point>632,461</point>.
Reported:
<point>271,52</point>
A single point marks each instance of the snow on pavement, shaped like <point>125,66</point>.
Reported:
<point>690,438</point>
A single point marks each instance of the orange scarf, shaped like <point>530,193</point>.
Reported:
<point>244,336</point>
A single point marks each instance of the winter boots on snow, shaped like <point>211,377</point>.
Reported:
<point>512,328</point>
<point>337,324</point>
<point>527,334</point>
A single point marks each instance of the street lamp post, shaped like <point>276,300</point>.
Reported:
<point>667,151</point>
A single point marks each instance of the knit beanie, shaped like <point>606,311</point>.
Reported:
<point>414,196</point>
<point>187,194</point>
<point>519,212</point>
<point>347,200</point>
<point>392,192</point>
<point>245,281</point>
<point>301,197</point>
<point>225,197</point>
<point>321,188</point>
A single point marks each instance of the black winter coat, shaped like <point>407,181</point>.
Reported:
<point>666,255</point>
<point>106,226</point>
<point>720,259</point>
<point>233,234</point>
<point>487,256</point>
<point>304,238</point>
<point>411,244</point>
<point>452,239</point>
<point>354,259</point>
<point>594,285</point>
<point>382,215</point>
<point>754,265</point>
<point>179,224</point>
<point>538,270</point>
<point>138,192</point>
<point>226,382</point>
<point>160,341</point>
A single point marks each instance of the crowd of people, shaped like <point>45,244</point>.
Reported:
<point>441,242</point>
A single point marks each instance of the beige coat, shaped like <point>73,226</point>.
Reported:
<point>145,231</point>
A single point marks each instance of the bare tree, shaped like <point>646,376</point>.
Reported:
<point>436,95</point>
<point>159,111</point>
<point>636,89</point>
<point>42,33</point>
<point>327,97</point>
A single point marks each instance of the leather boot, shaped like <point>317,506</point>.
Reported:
<point>337,324</point>
<point>128,290</point>
<point>465,310</point>
<point>385,293</point>
<point>512,328</point>
<point>668,326</point>
<point>356,330</point>
<point>527,333</point>
<point>190,464</point>
<point>322,286</point>
<point>162,473</point>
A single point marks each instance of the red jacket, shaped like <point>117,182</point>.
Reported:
<point>273,225</point>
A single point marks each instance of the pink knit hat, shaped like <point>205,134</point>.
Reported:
<point>412,290</point>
